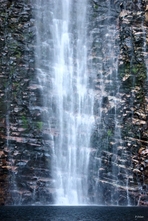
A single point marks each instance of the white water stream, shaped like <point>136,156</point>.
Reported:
<point>62,45</point>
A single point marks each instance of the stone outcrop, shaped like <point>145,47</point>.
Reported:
<point>118,170</point>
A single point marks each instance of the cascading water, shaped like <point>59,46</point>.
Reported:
<point>80,78</point>
<point>62,46</point>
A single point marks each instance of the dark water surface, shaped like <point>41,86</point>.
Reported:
<point>73,213</point>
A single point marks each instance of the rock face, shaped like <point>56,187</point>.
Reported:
<point>118,170</point>
<point>119,155</point>
<point>135,85</point>
<point>24,151</point>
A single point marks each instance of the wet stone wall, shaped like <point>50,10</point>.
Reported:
<point>24,153</point>
<point>133,72</point>
<point>118,165</point>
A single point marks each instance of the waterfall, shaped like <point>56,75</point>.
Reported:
<point>86,77</point>
<point>62,71</point>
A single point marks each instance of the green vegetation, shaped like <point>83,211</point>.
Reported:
<point>39,125</point>
<point>134,70</point>
<point>25,122</point>
<point>96,6</point>
<point>109,133</point>
<point>16,85</point>
<point>123,69</point>
<point>18,55</point>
